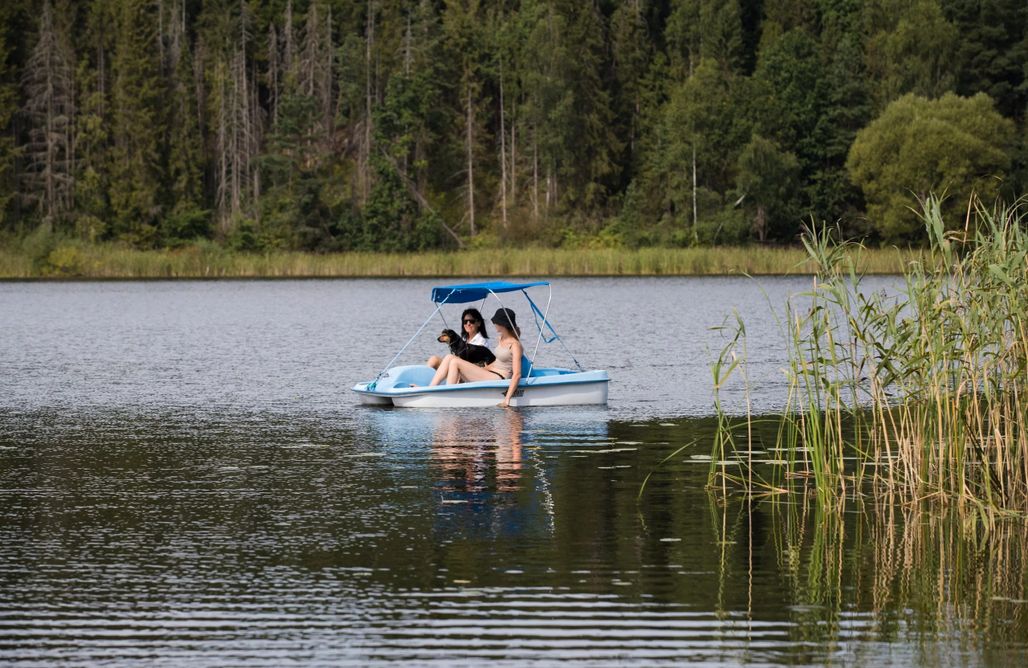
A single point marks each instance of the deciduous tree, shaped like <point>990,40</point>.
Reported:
<point>768,180</point>
<point>953,145</point>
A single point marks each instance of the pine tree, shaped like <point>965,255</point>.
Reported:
<point>684,36</point>
<point>992,51</point>
<point>632,56</point>
<point>316,68</point>
<point>50,109</point>
<point>546,98</point>
<point>847,103</point>
<point>93,147</point>
<point>911,49</point>
<point>591,168</point>
<point>183,188</point>
<point>462,25</point>
<point>136,100</point>
<point>236,119</point>
<point>8,108</point>
<point>703,135</point>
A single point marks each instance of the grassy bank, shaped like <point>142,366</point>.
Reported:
<point>922,395</point>
<point>78,260</point>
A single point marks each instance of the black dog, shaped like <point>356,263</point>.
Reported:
<point>479,355</point>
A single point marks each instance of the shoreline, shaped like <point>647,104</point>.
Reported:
<point>77,261</point>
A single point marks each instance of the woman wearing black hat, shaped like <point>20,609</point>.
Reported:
<point>507,364</point>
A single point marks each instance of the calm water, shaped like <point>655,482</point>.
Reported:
<point>186,479</point>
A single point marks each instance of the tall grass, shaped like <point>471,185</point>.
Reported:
<point>73,259</point>
<point>924,393</point>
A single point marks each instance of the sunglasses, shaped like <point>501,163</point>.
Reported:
<point>470,322</point>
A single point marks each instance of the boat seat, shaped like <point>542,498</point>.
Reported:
<point>405,376</point>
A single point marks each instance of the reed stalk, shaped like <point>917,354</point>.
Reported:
<point>923,393</point>
<point>953,575</point>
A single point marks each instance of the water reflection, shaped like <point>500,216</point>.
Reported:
<point>478,453</point>
<point>466,536</point>
<point>485,489</point>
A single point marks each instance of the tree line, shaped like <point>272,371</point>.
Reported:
<point>413,124</point>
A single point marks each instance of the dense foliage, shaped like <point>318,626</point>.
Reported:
<point>411,124</point>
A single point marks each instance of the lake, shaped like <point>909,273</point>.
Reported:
<point>185,478</point>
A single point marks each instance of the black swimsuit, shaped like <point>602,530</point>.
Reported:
<point>502,377</point>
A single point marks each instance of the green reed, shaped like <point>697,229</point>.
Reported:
<point>68,258</point>
<point>922,393</point>
<point>956,574</point>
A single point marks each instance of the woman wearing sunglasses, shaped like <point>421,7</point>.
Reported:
<point>506,366</point>
<point>472,330</point>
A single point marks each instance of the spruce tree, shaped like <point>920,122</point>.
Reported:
<point>632,53</point>
<point>992,51</point>
<point>183,187</point>
<point>8,108</point>
<point>49,107</point>
<point>93,146</point>
<point>592,169</point>
<point>135,131</point>
<point>911,49</point>
<point>465,42</point>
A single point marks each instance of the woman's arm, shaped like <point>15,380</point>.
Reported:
<point>515,376</point>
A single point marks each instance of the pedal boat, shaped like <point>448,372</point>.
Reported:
<point>407,386</point>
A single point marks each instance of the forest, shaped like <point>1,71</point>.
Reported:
<point>410,125</point>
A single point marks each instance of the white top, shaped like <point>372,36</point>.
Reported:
<point>479,340</point>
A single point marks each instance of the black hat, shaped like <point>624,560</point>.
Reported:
<point>505,317</point>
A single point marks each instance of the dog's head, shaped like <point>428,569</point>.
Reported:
<point>449,337</point>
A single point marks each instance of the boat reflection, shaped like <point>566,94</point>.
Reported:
<point>477,453</point>
<point>482,488</point>
<point>492,471</point>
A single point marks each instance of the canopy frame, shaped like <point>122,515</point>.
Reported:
<point>470,292</point>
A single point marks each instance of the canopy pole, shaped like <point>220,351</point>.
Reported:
<point>371,385</point>
<point>536,314</point>
<point>549,297</point>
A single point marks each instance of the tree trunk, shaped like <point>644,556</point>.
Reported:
<point>288,47</point>
<point>549,188</point>
<point>695,208</point>
<point>406,49</point>
<point>223,155</point>
<point>422,202</point>
<point>470,141</point>
<point>513,161</point>
<point>535,179</point>
<point>760,223</point>
<point>273,73</point>
<point>503,157</point>
<point>365,167</point>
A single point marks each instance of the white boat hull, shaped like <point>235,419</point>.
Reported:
<point>553,387</point>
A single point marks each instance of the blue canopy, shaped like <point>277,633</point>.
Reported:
<point>473,292</point>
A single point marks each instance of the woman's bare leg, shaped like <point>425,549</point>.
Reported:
<point>464,370</point>
<point>441,372</point>
<point>434,361</point>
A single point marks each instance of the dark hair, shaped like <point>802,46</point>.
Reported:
<point>473,312</point>
<point>506,318</point>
